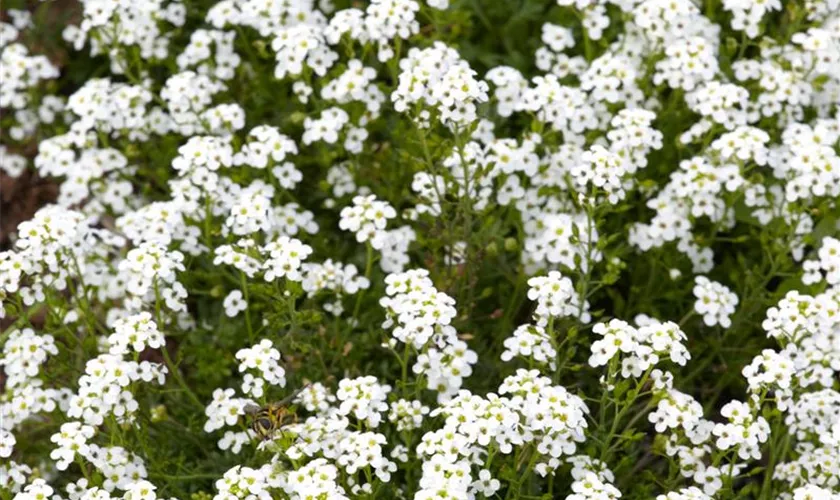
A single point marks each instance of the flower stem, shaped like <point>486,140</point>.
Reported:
<point>368,270</point>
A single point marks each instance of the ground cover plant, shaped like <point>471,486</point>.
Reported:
<point>421,249</point>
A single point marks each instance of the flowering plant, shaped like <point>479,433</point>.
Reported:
<point>529,249</point>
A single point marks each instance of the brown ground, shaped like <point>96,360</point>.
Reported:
<point>20,198</point>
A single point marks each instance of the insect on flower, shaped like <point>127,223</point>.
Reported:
<point>268,419</point>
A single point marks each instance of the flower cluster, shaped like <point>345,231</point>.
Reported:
<point>265,360</point>
<point>135,332</point>
<point>421,316</point>
<point>368,218</point>
<point>556,297</point>
<point>535,412</point>
<point>440,79</point>
<point>532,343</point>
<point>104,389</point>
<point>149,272</point>
<point>640,348</point>
<point>714,301</point>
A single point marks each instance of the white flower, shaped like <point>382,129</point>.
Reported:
<point>363,398</point>
<point>265,359</point>
<point>367,218</point>
<point>135,332</point>
<point>234,303</point>
<point>556,298</point>
<point>714,301</point>
<point>285,257</point>
<point>70,440</point>
<point>530,342</point>
<point>141,490</point>
<point>486,484</point>
<point>407,414</point>
<point>224,410</point>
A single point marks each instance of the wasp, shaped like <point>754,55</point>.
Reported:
<point>268,419</point>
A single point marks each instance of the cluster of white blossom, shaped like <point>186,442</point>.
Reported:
<point>188,97</point>
<point>368,219</point>
<point>123,31</point>
<point>809,329</point>
<point>747,16</point>
<point>560,239</point>
<point>440,79</point>
<point>826,266</point>
<point>641,348</point>
<point>714,301</point>
<point>105,388</point>
<point>105,393</point>
<point>21,73</point>
<point>528,410</point>
<point>199,54</point>
<point>531,342</point>
<point>150,275</point>
<point>556,297</point>
<point>285,258</point>
<point>421,319</point>
<point>334,277</point>
<point>53,246</point>
<point>116,109</point>
<point>135,332</point>
<point>265,360</point>
<point>24,354</point>
<point>245,482</point>
<point>592,479</point>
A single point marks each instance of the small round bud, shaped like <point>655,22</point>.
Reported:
<point>511,244</point>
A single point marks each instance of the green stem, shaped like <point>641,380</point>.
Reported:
<point>186,477</point>
<point>404,368</point>
<point>767,486</point>
<point>368,271</point>
<point>627,406</point>
<point>244,283</point>
<point>173,369</point>
<point>584,282</point>
<point>685,318</point>
<point>179,379</point>
<point>83,466</point>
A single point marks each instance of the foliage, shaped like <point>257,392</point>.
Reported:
<point>485,249</point>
